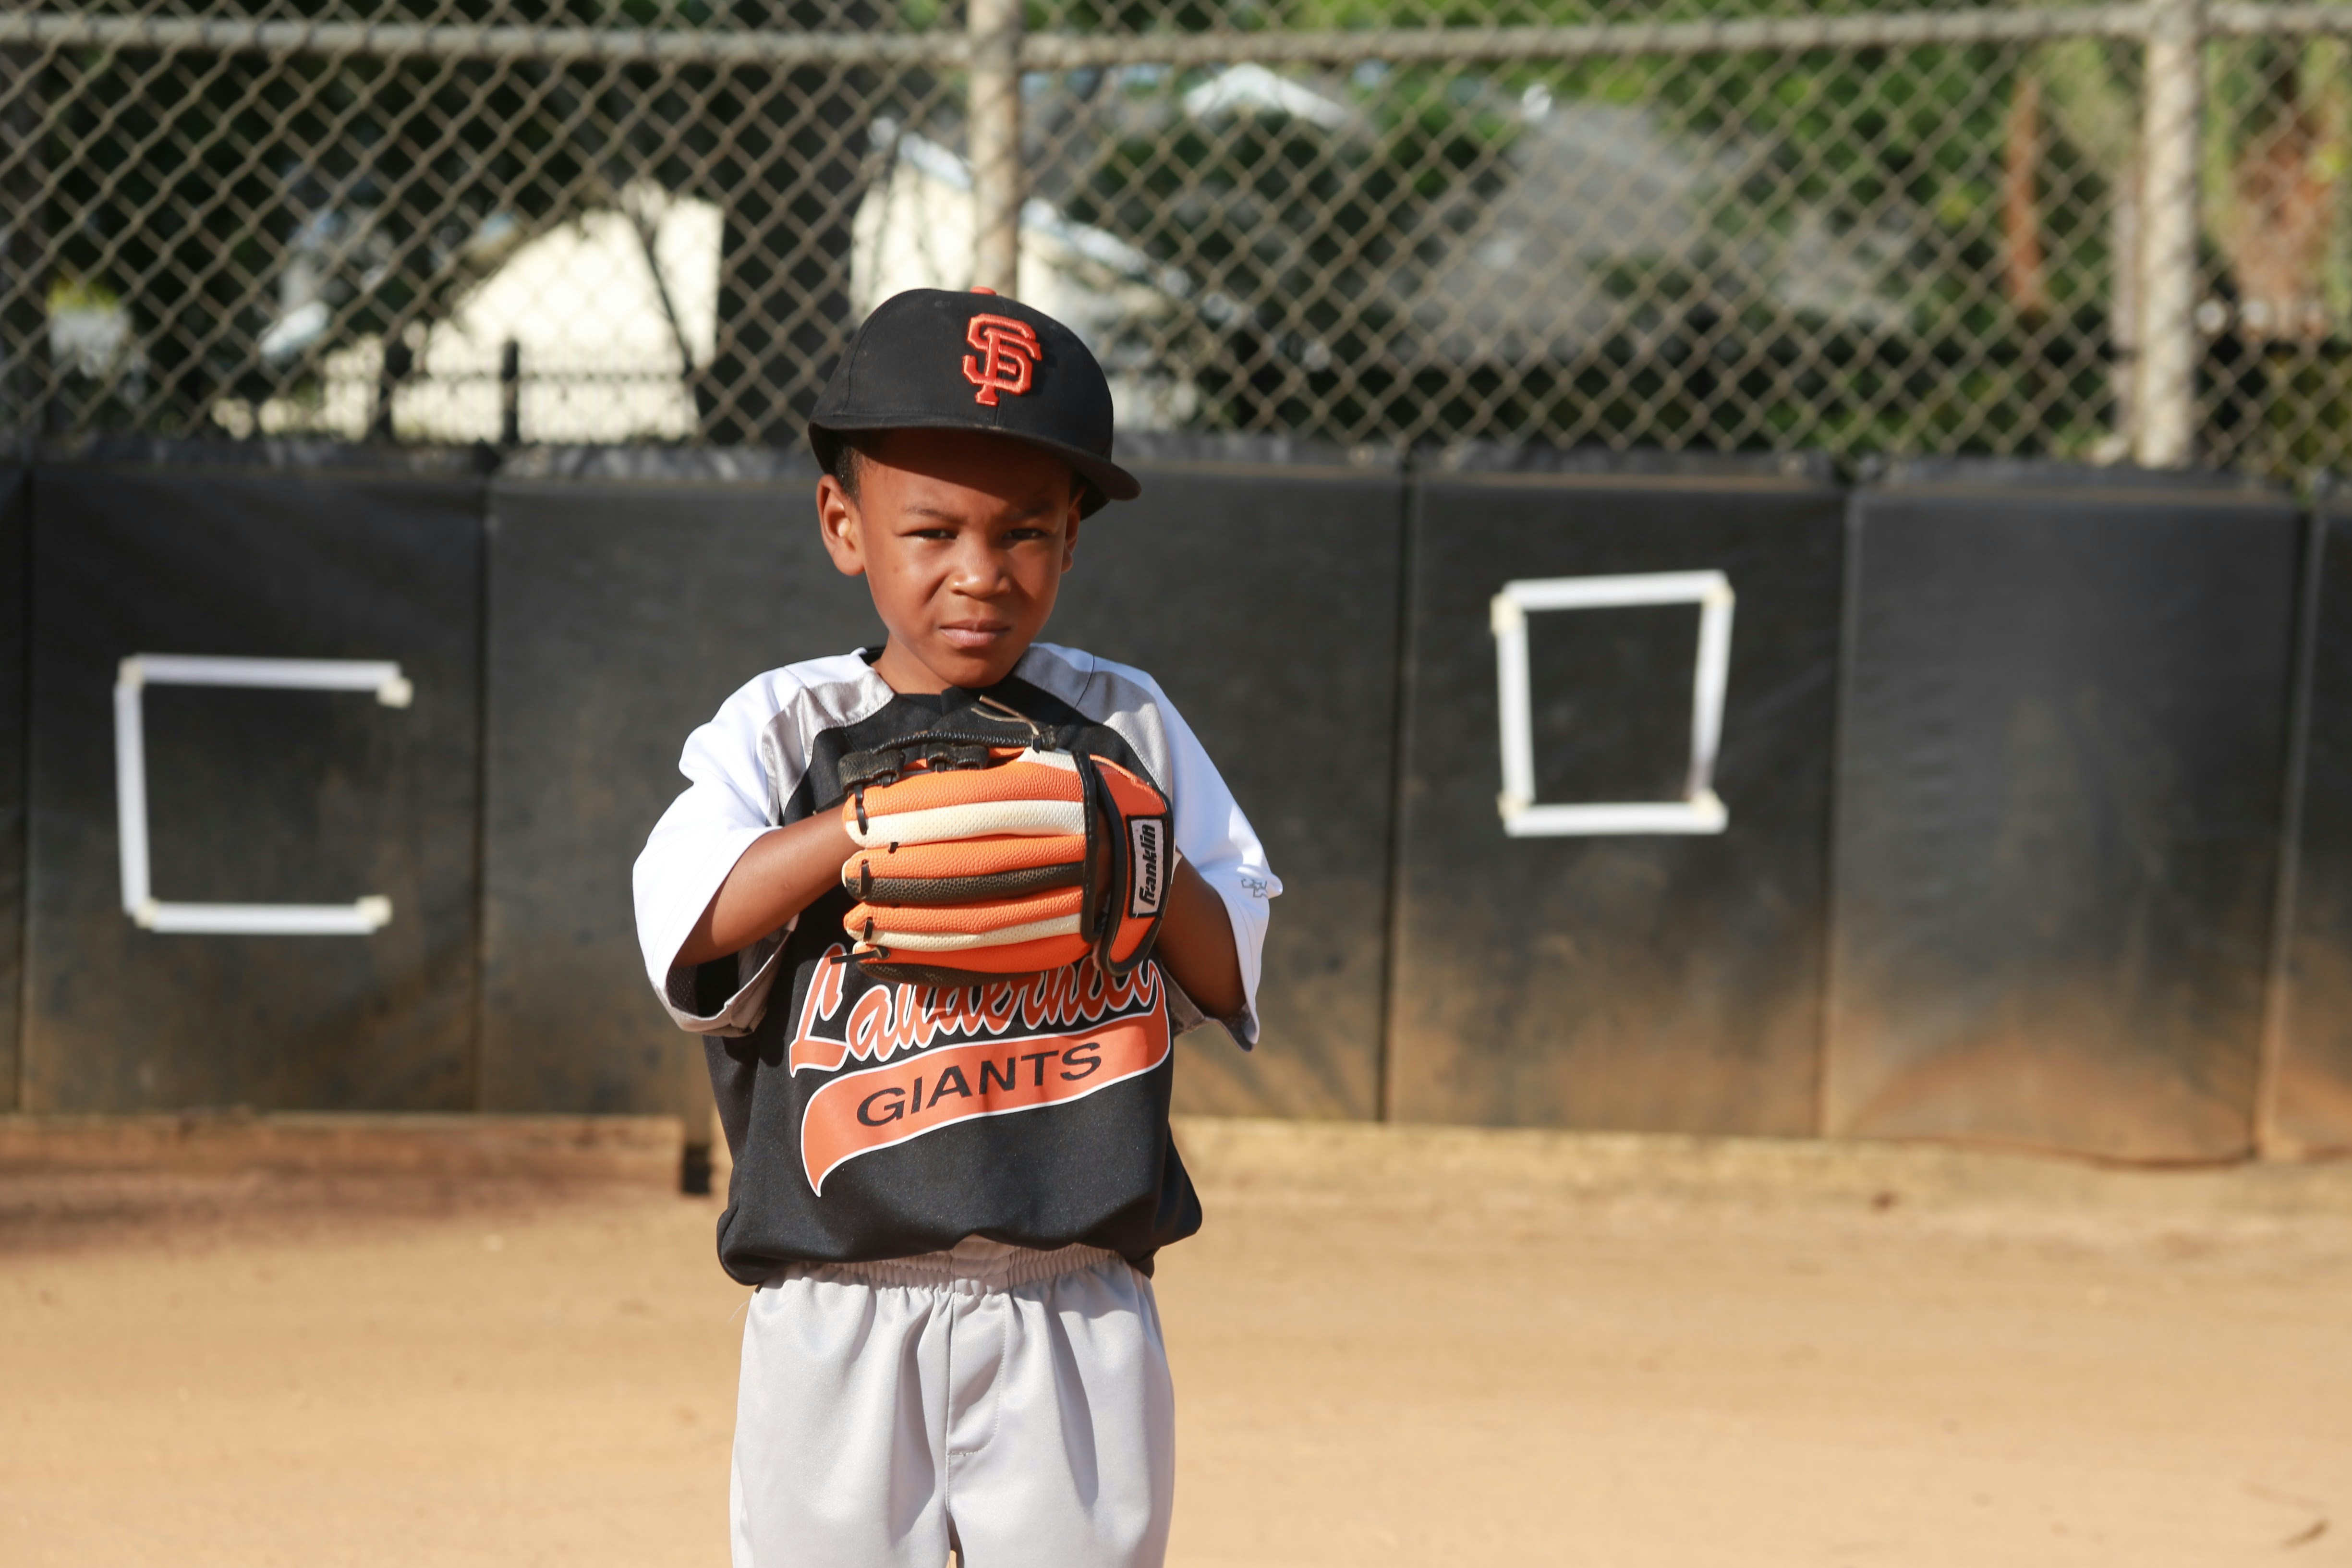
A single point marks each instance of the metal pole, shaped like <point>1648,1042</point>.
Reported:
<point>2165,409</point>
<point>2123,302</point>
<point>49,31</point>
<point>992,133</point>
<point>510,394</point>
<point>28,378</point>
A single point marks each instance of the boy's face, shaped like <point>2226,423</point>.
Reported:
<point>963,538</point>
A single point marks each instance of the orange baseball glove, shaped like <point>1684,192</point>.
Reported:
<point>979,860</point>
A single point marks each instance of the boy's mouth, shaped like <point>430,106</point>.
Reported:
<point>972,636</point>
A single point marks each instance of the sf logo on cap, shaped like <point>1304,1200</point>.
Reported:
<point>1008,348</point>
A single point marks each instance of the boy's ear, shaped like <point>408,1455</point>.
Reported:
<point>842,527</point>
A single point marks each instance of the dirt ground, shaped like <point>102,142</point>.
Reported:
<point>1391,1348</point>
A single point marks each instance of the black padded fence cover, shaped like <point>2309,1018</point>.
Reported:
<point>628,598</point>
<point>14,547</point>
<point>1258,581</point>
<point>2061,763</point>
<point>2310,1107</point>
<point>255,795</point>
<point>1647,981</point>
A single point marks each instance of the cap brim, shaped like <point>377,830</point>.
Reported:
<point>1109,479</point>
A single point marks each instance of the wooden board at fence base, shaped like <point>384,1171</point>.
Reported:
<point>2058,803</point>
<point>623,612</point>
<point>2311,1096</point>
<point>1258,581</point>
<point>1639,981</point>
<point>255,795</point>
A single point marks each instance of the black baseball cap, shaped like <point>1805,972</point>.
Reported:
<point>932,359</point>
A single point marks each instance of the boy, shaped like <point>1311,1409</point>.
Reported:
<point>953,1342</point>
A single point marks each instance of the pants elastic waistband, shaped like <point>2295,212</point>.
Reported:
<point>936,1268</point>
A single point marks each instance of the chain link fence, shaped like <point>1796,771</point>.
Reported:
<point>1619,224</point>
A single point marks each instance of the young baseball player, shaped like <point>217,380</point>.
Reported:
<point>940,910</point>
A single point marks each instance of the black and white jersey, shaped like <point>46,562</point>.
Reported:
<point>871,1121</point>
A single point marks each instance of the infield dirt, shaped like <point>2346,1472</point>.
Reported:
<point>1391,1348</point>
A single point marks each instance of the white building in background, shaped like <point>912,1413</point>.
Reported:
<point>914,229</point>
<point>613,310</point>
<point>1250,88</point>
<point>611,313</point>
<point>1603,224</point>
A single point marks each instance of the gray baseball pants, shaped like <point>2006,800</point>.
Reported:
<point>1014,1406</point>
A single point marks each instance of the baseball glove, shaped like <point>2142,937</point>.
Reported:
<point>982,857</point>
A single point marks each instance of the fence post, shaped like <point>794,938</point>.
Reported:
<point>28,378</point>
<point>2165,407</point>
<point>994,139</point>
<point>510,394</point>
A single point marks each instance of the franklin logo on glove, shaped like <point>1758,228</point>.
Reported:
<point>1144,835</point>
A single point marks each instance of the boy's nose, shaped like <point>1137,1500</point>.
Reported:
<point>977,572</point>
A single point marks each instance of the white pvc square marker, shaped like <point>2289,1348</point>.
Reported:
<point>140,670</point>
<point>1698,810</point>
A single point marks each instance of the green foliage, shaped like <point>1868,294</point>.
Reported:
<point>1305,225</point>
<point>195,185</point>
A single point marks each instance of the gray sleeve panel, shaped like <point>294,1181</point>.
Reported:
<point>829,696</point>
<point>1109,697</point>
<point>743,766</point>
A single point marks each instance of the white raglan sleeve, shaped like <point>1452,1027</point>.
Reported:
<point>695,844</point>
<point>1212,834</point>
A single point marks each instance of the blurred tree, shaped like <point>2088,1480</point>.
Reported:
<point>253,213</point>
<point>2024,265</point>
<point>2276,157</point>
<point>234,202</point>
<point>781,152</point>
<point>1300,229</point>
